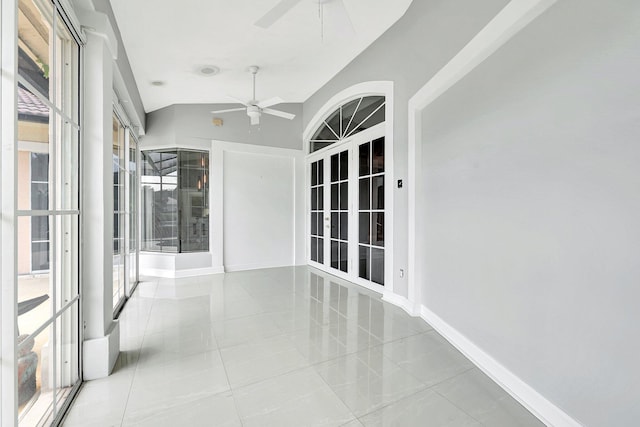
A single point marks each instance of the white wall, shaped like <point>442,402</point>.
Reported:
<point>532,178</point>
<point>260,209</point>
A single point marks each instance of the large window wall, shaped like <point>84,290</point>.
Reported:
<point>47,232</point>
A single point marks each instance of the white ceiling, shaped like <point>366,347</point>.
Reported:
<point>169,41</point>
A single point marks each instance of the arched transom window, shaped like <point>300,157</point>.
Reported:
<point>351,118</point>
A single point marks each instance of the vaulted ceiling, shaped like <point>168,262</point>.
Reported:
<point>169,42</point>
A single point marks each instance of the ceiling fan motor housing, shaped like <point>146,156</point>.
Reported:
<point>253,111</point>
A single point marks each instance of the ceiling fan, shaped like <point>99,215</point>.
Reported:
<point>254,108</point>
<point>335,11</point>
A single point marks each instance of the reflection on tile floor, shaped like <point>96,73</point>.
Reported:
<point>284,347</point>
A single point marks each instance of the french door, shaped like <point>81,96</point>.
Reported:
<point>346,215</point>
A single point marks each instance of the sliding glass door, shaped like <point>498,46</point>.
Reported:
<point>371,172</point>
<point>339,209</point>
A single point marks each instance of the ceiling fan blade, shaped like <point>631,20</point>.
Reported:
<point>337,17</point>
<point>255,120</point>
<point>276,13</point>
<point>228,110</point>
<point>271,101</point>
<point>237,100</point>
<point>279,113</point>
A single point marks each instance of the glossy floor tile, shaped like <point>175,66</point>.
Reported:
<point>423,409</point>
<point>480,397</point>
<point>366,381</point>
<point>284,347</point>
<point>299,398</point>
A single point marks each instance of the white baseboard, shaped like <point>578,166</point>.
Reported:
<point>198,272</point>
<point>256,266</point>
<point>100,354</point>
<point>399,301</point>
<point>537,404</point>
<point>178,274</point>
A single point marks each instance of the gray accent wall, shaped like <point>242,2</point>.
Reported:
<point>429,34</point>
<point>532,174</point>
<point>191,124</point>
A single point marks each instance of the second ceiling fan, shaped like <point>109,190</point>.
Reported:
<point>254,108</point>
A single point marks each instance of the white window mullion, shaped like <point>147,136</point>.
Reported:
<point>367,118</point>
<point>127,211</point>
<point>54,239</point>
<point>352,116</point>
<point>8,205</point>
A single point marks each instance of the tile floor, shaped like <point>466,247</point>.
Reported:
<point>284,347</point>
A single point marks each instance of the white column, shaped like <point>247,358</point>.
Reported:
<point>101,333</point>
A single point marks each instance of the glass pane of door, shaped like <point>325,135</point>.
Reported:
<point>339,210</point>
<point>317,212</point>
<point>371,211</point>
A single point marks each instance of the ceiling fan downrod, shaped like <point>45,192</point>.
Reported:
<point>254,70</point>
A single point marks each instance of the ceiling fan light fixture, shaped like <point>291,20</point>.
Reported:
<point>253,111</point>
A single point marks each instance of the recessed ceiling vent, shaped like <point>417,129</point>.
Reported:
<point>209,70</point>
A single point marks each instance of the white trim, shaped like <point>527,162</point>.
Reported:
<point>372,286</point>
<point>537,404</point>
<point>252,266</point>
<point>507,23</point>
<point>178,274</point>
<point>124,103</point>
<point>100,354</point>
<point>97,23</point>
<point>34,147</point>
<point>381,87</point>
<point>68,10</point>
<point>397,300</point>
